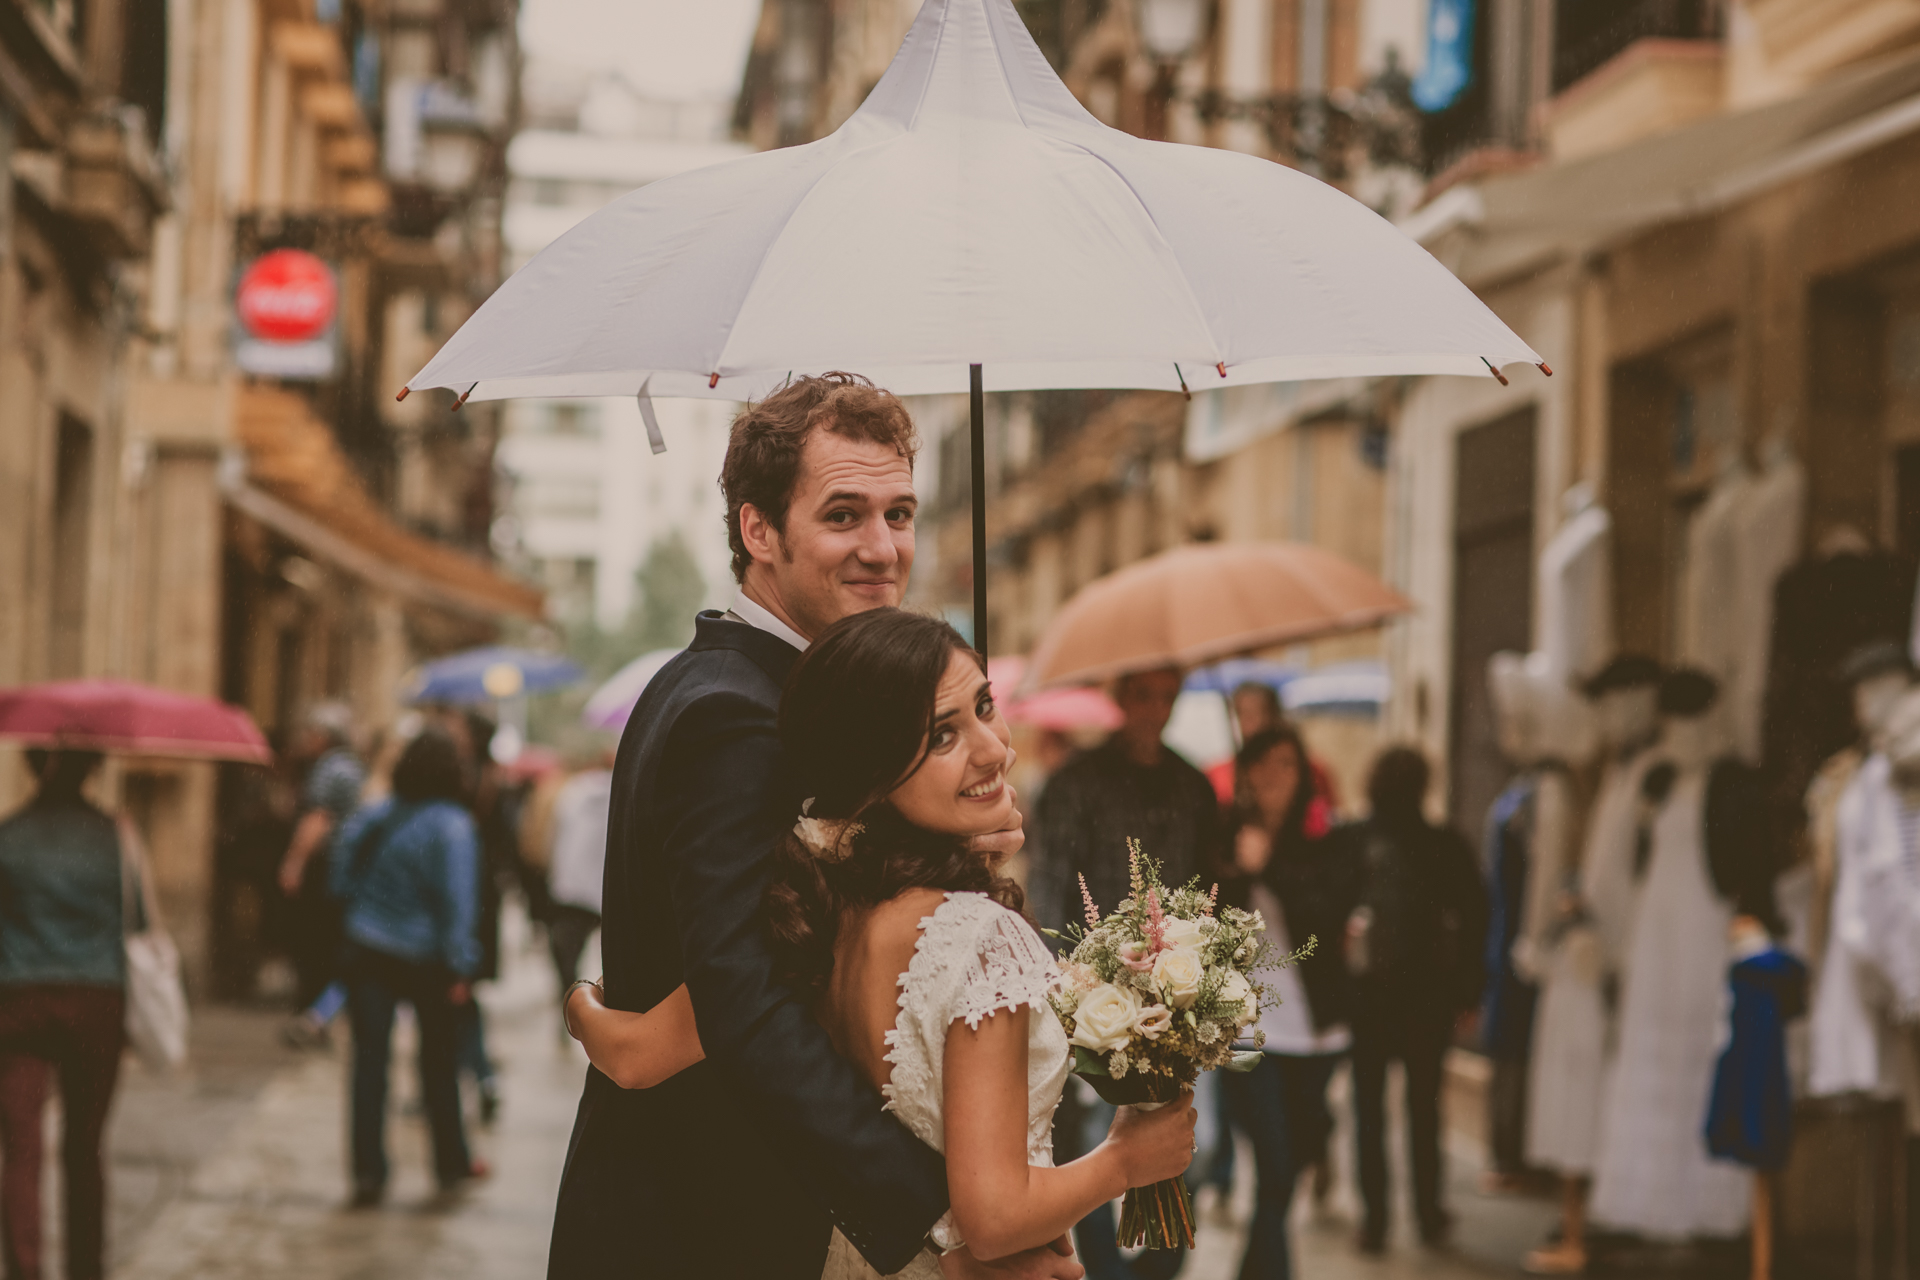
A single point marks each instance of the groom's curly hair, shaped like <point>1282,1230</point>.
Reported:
<point>764,446</point>
<point>854,723</point>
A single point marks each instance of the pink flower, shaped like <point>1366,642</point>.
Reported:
<point>1086,896</point>
<point>1156,922</point>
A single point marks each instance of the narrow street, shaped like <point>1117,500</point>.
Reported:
<point>236,1169</point>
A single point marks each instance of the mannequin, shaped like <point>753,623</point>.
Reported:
<point>1845,595</point>
<point>1544,731</point>
<point>1750,1115</point>
<point>1582,958</point>
<point>1887,853</point>
<point>1653,1174</point>
<point>1850,1041</point>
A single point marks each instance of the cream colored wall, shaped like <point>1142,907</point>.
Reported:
<point>1419,524</point>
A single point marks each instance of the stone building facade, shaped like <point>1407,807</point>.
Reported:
<point>172,517</point>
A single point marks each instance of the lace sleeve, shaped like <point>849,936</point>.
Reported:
<point>1009,966</point>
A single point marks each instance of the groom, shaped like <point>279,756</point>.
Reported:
<point>742,1165</point>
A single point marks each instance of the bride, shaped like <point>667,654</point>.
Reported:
<point>912,947</point>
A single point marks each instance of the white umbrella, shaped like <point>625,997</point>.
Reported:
<point>972,226</point>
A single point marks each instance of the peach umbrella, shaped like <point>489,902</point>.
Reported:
<point>1197,604</point>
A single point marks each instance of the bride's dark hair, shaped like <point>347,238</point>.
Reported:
<point>854,723</point>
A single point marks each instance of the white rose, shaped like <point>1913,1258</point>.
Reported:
<point>1176,975</point>
<point>1236,990</point>
<point>1105,1018</point>
<point>1183,935</point>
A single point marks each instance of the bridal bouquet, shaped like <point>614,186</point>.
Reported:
<point>1153,995</point>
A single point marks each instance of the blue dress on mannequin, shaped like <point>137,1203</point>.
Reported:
<point>1750,1116</point>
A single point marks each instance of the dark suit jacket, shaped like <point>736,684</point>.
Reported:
<point>739,1165</point>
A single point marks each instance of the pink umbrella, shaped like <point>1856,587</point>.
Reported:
<point>134,719</point>
<point>1062,710</point>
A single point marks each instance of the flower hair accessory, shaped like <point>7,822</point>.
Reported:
<point>828,839</point>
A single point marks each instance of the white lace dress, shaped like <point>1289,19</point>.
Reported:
<point>974,958</point>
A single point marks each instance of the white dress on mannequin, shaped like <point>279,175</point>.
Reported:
<point>1572,1029</point>
<point>1653,1175</point>
<point>1849,1048</point>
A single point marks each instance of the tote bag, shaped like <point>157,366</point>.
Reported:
<point>156,998</point>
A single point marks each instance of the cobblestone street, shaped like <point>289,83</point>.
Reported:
<point>237,1169</point>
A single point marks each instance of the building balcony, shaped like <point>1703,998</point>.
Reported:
<point>113,186</point>
<point>1651,86</point>
<point>1806,39</point>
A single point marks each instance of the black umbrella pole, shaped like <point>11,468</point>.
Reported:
<point>979,510</point>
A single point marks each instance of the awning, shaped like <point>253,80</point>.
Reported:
<point>1522,222</point>
<point>300,485</point>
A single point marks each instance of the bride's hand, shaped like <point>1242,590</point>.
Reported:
<point>1154,1146</point>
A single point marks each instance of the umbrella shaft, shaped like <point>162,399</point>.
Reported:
<point>979,510</point>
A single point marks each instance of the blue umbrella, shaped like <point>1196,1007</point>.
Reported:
<point>1343,688</point>
<point>490,674</point>
<point>1224,677</point>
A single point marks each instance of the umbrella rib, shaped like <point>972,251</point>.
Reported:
<point>926,85</point>
<point>774,242</point>
<point>1146,211</point>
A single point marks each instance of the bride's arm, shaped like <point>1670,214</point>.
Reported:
<point>1001,1204</point>
<point>635,1050</point>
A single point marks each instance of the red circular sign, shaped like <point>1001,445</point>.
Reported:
<point>287,296</point>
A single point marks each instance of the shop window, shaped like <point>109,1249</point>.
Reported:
<point>1492,597</point>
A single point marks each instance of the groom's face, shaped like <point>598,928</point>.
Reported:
<point>848,542</point>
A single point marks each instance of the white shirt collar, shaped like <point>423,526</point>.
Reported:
<point>755,615</point>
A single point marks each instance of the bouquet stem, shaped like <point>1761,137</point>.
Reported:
<point>1159,1216</point>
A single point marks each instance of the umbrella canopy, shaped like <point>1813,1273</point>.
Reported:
<point>611,704</point>
<point>1197,604</point>
<point>489,674</point>
<point>135,719</point>
<point>1061,710</point>
<point>972,212</point>
<point>1343,688</point>
<point>1225,677</point>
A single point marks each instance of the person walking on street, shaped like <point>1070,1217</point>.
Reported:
<point>1132,787</point>
<point>1305,887</point>
<point>407,875</point>
<point>329,795</point>
<point>1414,947</point>
<point>578,867</point>
<point>63,977</point>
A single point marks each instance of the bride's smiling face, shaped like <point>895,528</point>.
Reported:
<point>960,787</point>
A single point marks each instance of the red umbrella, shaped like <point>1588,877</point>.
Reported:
<point>134,719</point>
<point>1062,710</point>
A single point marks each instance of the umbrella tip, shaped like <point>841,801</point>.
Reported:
<point>1494,369</point>
<point>1222,367</point>
<point>1546,368</point>
<point>713,381</point>
<point>463,398</point>
<point>403,393</point>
